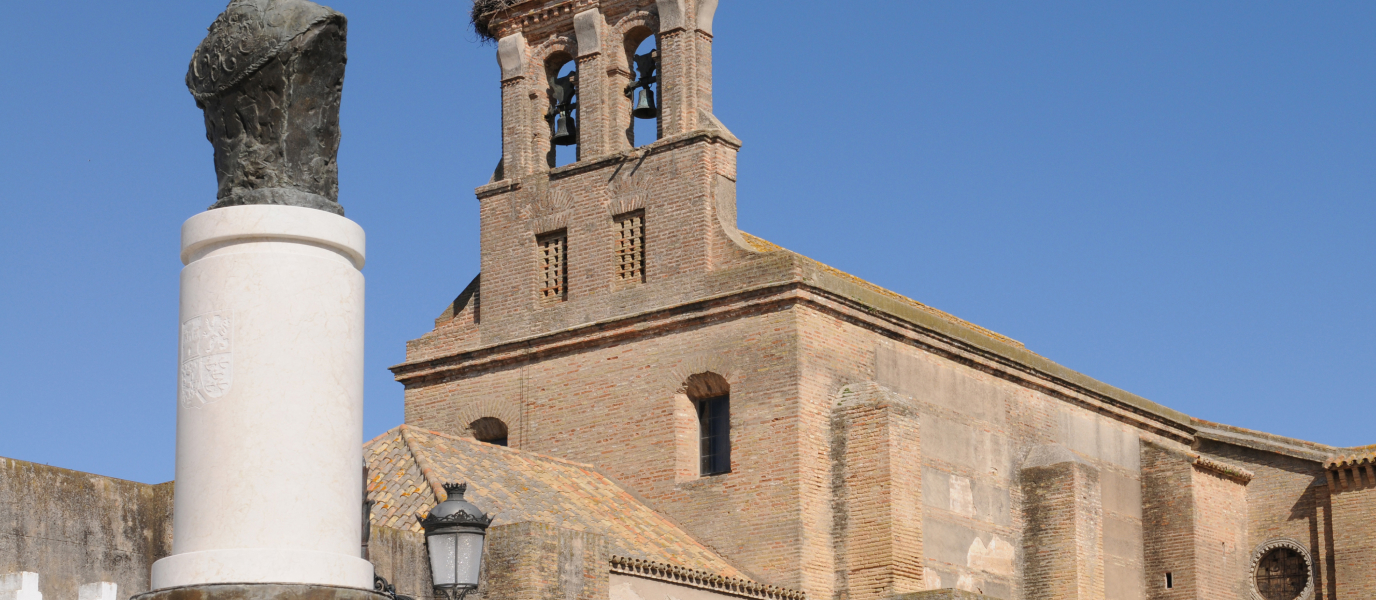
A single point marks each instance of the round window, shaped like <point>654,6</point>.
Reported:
<point>1281,571</point>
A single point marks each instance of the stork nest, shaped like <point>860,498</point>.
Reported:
<point>482,15</point>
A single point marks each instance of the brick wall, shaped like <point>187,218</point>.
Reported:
<point>1221,553</point>
<point>539,561</point>
<point>1063,540</point>
<point>620,406</point>
<point>877,479</point>
<point>1168,517</point>
<point>1197,522</point>
<point>1354,531</point>
<point>1287,498</point>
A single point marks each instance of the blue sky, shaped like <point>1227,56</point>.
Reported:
<point>1175,198</point>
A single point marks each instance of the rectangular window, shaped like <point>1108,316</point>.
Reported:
<point>714,425</point>
<point>554,276</point>
<point>630,247</point>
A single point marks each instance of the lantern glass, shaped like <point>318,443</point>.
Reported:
<point>468,558</point>
<point>443,558</point>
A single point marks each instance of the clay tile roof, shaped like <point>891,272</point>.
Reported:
<point>407,465</point>
<point>1353,457</point>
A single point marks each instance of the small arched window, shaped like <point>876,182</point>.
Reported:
<point>490,430</point>
<point>711,396</point>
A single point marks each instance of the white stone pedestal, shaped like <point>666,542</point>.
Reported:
<point>270,401</point>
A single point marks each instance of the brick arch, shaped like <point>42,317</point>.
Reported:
<point>625,26</point>
<point>540,54</point>
<point>707,362</point>
<point>501,409</point>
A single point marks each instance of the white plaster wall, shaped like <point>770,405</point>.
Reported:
<point>627,587</point>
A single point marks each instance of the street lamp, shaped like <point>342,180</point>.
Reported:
<point>454,532</point>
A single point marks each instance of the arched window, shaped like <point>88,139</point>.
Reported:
<point>563,113</point>
<point>489,430</point>
<point>642,55</point>
<point>711,396</point>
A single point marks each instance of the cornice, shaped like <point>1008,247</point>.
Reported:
<point>634,154</point>
<point>702,580</point>
<point>1230,471</point>
<point>497,188</point>
<point>1265,442</point>
<point>918,327</point>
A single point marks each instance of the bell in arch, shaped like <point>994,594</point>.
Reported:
<point>645,104</point>
<point>565,130</point>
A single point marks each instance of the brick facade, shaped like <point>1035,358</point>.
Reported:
<point>1353,501</point>
<point>879,447</point>
<point>877,490</point>
<point>1063,539</point>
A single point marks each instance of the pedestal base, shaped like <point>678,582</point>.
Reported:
<point>261,591</point>
<point>261,565</point>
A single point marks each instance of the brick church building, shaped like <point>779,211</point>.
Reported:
<point>816,431</point>
<point>657,405</point>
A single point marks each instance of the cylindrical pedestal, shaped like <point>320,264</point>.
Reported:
<point>261,591</point>
<point>270,401</point>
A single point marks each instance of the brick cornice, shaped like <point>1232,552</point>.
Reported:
<point>1230,471</point>
<point>933,334</point>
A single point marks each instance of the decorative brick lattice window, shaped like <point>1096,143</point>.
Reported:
<point>630,247</point>
<point>554,277</point>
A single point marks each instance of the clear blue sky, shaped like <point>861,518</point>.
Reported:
<point>1175,198</point>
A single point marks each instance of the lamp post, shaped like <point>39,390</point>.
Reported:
<point>454,532</point>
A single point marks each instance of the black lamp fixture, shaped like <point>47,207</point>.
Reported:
<point>454,533</point>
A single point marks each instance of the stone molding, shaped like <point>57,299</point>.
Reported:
<point>702,580</point>
<point>1240,474</point>
<point>513,55</point>
<point>1258,440</point>
<point>261,591</point>
<point>1272,544</point>
<point>588,28</point>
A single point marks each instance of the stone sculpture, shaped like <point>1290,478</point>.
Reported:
<point>269,77</point>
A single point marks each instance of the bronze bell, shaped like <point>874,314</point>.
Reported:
<point>565,130</point>
<point>645,104</point>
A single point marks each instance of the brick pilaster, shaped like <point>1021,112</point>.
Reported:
<point>877,480</point>
<point>1352,491</point>
<point>1063,541</point>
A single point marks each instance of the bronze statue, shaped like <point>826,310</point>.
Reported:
<point>269,77</point>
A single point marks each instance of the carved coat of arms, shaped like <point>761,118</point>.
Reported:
<point>207,359</point>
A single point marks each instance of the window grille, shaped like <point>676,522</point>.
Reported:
<point>554,276</point>
<point>1282,575</point>
<point>630,247</point>
<point>714,425</point>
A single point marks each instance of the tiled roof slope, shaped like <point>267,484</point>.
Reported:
<point>406,466</point>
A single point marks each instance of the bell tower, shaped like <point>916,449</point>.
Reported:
<point>584,219</point>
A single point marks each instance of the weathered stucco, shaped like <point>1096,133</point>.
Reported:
<point>75,528</point>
